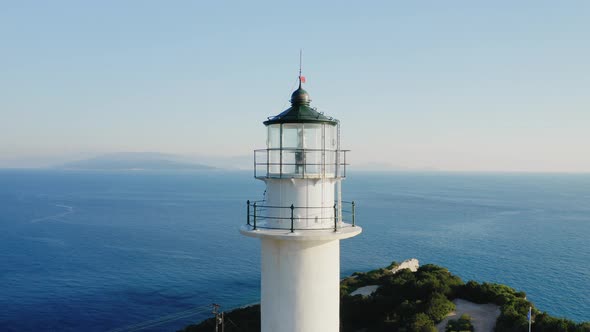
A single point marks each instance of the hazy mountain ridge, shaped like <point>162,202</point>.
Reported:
<point>135,161</point>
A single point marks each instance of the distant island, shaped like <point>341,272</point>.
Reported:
<point>405,297</point>
<point>134,161</point>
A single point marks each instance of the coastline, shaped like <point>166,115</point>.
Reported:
<point>364,295</point>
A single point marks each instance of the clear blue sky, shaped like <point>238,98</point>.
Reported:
<point>450,85</point>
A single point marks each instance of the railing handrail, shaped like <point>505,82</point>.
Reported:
<point>296,218</point>
<point>299,149</point>
<point>260,208</point>
<point>296,207</point>
<point>300,163</point>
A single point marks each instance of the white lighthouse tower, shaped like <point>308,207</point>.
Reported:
<point>301,219</point>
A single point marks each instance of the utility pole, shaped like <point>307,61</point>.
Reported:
<point>530,317</point>
<point>218,317</point>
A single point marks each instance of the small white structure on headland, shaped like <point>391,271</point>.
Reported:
<point>301,222</point>
<point>412,264</point>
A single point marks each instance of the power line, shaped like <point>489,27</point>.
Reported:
<point>161,320</point>
<point>234,324</point>
<point>218,321</point>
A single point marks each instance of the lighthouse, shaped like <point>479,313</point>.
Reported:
<point>300,219</point>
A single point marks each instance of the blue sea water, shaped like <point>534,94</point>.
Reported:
<point>100,251</point>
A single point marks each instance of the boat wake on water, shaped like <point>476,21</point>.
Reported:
<point>56,217</point>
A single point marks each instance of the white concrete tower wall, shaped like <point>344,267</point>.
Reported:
<point>300,286</point>
<point>314,197</point>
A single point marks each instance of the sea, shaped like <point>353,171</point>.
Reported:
<point>151,251</point>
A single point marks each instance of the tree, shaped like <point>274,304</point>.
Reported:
<point>463,324</point>
<point>438,307</point>
<point>422,323</point>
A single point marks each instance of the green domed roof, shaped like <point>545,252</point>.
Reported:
<point>300,111</point>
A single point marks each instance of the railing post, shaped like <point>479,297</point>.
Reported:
<point>353,214</point>
<point>281,152</point>
<point>304,162</point>
<point>292,208</point>
<point>248,213</point>
<point>344,153</point>
<point>254,215</point>
<point>335,219</point>
<point>267,163</point>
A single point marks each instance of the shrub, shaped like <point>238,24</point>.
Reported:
<point>438,307</point>
<point>422,323</point>
<point>463,324</point>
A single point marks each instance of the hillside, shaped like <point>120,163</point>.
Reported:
<point>415,301</point>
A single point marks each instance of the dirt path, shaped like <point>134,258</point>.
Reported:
<point>365,291</point>
<point>483,316</point>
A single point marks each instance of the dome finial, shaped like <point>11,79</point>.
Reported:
<point>300,96</point>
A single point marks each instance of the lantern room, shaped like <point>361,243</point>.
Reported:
<point>301,143</point>
<point>302,167</point>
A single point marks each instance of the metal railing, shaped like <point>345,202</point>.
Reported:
<point>299,163</point>
<point>258,216</point>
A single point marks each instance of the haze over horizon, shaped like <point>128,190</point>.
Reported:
<point>456,86</point>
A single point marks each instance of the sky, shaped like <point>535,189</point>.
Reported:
<point>420,85</point>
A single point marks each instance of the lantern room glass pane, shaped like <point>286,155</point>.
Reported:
<point>331,146</point>
<point>312,136</point>
<point>331,137</point>
<point>291,162</point>
<point>274,142</point>
<point>293,136</point>
<point>312,140</point>
<point>274,136</point>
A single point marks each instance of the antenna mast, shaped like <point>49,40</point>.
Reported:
<point>300,61</point>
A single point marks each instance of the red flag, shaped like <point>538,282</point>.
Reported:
<point>302,79</point>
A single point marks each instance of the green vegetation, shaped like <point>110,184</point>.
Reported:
<point>405,301</point>
<point>408,301</point>
<point>514,308</point>
<point>463,324</point>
